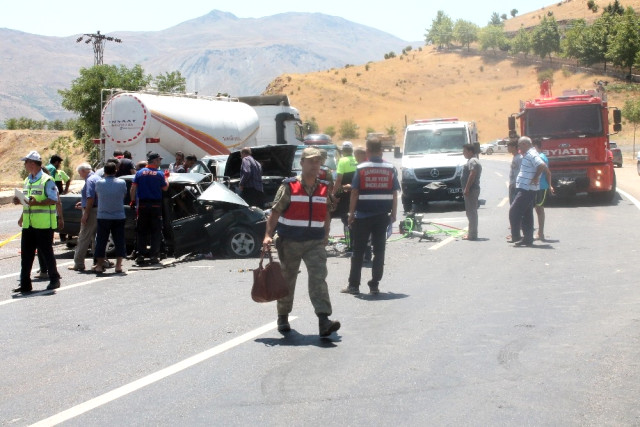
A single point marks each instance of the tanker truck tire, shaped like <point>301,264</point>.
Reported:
<point>242,243</point>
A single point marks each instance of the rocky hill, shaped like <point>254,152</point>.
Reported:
<point>217,52</point>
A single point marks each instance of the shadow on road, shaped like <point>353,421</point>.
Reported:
<point>382,296</point>
<point>35,293</point>
<point>580,200</point>
<point>295,338</point>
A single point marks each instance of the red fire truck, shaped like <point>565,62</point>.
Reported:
<point>574,131</point>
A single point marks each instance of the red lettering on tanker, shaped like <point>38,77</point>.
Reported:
<point>377,179</point>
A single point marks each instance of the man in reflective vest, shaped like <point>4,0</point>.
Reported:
<point>373,207</point>
<point>300,216</point>
<point>38,222</point>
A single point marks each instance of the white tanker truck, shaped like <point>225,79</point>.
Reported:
<point>145,121</point>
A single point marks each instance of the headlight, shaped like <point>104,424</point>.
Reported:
<point>408,173</point>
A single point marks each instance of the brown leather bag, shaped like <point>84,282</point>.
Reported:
<point>268,281</point>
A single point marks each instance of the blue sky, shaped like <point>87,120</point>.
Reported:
<point>406,19</point>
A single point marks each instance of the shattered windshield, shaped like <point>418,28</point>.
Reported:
<point>430,141</point>
<point>564,121</point>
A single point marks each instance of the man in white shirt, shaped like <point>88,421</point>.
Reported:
<point>527,185</point>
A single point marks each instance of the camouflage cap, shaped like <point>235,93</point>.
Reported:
<point>310,152</point>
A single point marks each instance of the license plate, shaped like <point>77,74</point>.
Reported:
<point>455,190</point>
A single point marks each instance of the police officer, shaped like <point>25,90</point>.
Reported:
<point>148,185</point>
<point>300,216</point>
<point>38,222</point>
<point>373,207</point>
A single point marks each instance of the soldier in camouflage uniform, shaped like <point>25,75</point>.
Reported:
<point>300,216</point>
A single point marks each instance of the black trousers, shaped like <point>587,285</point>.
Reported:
<point>361,229</point>
<point>41,240</point>
<point>521,215</point>
<point>149,229</point>
<point>253,197</point>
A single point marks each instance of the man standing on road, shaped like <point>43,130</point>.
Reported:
<point>345,170</point>
<point>251,189</point>
<point>38,222</point>
<point>373,207</point>
<point>88,223</point>
<point>60,177</point>
<point>541,195</point>
<point>148,185</point>
<point>300,216</point>
<point>527,185</point>
<point>470,181</point>
<point>126,166</point>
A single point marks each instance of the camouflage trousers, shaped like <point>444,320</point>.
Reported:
<point>314,254</point>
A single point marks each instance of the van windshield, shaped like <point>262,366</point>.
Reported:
<point>430,141</point>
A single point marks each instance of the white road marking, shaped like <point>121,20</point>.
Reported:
<point>62,288</point>
<point>503,202</point>
<point>153,378</point>
<point>442,243</point>
<point>443,220</point>
<point>630,197</point>
<point>17,274</point>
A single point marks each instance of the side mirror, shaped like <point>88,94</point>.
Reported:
<point>512,123</point>
<point>617,118</point>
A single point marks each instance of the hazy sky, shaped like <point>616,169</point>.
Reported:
<point>406,19</point>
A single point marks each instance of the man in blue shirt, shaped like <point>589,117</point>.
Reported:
<point>111,217</point>
<point>147,188</point>
<point>373,207</point>
<point>88,223</point>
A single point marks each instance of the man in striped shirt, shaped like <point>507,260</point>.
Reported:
<point>527,185</point>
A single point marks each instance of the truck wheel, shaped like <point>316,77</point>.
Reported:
<point>242,243</point>
<point>407,204</point>
<point>606,197</point>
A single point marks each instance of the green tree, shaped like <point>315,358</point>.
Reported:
<point>495,20</point>
<point>631,112</point>
<point>596,41</point>
<point>492,37</point>
<point>391,130</point>
<point>625,43</point>
<point>348,129</point>
<point>11,124</point>
<point>83,97</point>
<point>546,38</point>
<point>504,17</point>
<point>514,12</point>
<point>330,130</point>
<point>572,44</point>
<point>172,82</point>
<point>592,6</point>
<point>465,32</point>
<point>441,31</point>
<point>521,43</point>
<point>614,8</point>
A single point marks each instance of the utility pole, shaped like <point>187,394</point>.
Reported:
<point>98,41</point>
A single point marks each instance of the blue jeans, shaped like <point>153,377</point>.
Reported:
<point>116,228</point>
<point>521,215</point>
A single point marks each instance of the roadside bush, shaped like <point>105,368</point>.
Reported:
<point>348,129</point>
<point>546,74</point>
<point>330,130</point>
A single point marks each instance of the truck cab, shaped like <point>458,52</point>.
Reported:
<point>432,160</point>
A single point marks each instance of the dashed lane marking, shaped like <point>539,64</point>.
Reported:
<point>154,377</point>
<point>503,202</point>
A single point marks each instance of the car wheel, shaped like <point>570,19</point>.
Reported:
<point>489,151</point>
<point>242,243</point>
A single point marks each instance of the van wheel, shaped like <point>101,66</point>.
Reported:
<point>242,243</point>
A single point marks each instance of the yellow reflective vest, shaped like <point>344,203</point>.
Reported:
<point>41,217</point>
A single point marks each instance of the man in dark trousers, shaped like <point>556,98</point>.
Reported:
<point>373,207</point>
<point>300,216</point>
<point>251,189</point>
<point>148,185</point>
<point>38,222</point>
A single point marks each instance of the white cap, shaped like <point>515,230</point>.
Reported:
<point>347,144</point>
<point>33,155</point>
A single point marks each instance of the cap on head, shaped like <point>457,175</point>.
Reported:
<point>33,155</point>
<point>310,152</point>
<point>152,156</point>
<point>347,145</point>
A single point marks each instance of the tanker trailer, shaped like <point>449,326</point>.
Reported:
<point>142,122</point>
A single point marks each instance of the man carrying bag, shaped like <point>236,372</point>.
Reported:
<point>301,218</point>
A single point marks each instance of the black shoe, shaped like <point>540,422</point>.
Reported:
<point>154,260</point>
<point>140,260</point>
<point>283,323</point>
<point>22,290</point>
<point>353,290</point>
<point>326,326</point>
<point>374,289</point>
<point>514,240</point>
<point>524,242</point>
<point>54,284</point>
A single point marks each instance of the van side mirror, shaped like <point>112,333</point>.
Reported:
<point>512,124</point>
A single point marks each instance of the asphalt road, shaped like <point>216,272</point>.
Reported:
<point>463,333</point>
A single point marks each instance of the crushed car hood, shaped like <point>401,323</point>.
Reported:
<point>276,161</point>
<point>218,192</point>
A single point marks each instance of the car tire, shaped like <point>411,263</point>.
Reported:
<point>489,151</point>
<point>242,243</point>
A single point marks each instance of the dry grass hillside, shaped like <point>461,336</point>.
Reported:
<point>424,84</point>
<point>563,10</point>
<point>15,144</point>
